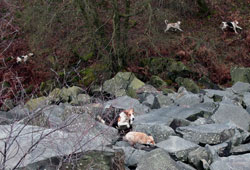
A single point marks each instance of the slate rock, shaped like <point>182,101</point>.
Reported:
<point>177,147</point>
<point>208,133</point>
<point>240,87</point>
<point>149,101</point>
<point>132,155</point>
<point>235,114</point>
<point>50,142</point>
<point>167,115</point>
<point>241,149</point>
<point>185,166</point>
<point>159,132</point>
<point>157,159</point>
<point>126,102</point>
<point>101,160</point>
<point>239,162</point>
<point>196,156</point>
<point>162,101</point>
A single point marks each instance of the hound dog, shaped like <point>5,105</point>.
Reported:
<point>231,25</point>
<point>117,118</point>
<point>175,26</point>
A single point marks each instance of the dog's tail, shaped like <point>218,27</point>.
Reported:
<point>166,21</point>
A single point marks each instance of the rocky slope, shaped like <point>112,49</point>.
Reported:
<point>205,130</point>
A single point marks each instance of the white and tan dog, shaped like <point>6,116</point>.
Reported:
<point>117,118</point>
<point>231,25</point>
<point>175,26</point>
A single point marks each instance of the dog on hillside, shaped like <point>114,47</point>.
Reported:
<point>175,26</point>
<point>23,58</point>
<point>117,118</point>
<point>233,26</point>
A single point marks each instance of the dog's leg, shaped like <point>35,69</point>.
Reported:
<point>166,29</point>
<point>180,29</point>
<point>123,124</point>
<point>238,27</point>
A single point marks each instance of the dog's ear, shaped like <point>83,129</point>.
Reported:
<point>131,111</point>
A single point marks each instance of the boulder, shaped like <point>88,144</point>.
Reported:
<point>185,166</point>
<point>189,84</point>
<point>132,155</point>
<point>101,160</point>
<point>34,104</point>
<point>178,147</point>
<point>208,133</point>
<point>241,74</point>
<point>162,100</point>
<point>126,102</point>
<point>236,114</point>
<point>239,162</point>
<point>241,149</point>
<point>196,156</point>
<point>160,132</point>
<point>240,87</point>
<point>157,82</point>
<point>121,83</point>
<point>81,99</point>
<point>157,159</point>
<point>33,144</point>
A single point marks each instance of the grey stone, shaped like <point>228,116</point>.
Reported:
<point>177,122</point>
<point>157,159</point>
<point>240,87</point>
<point>239,162</point>
<point>157,82</point>
<point>122,81</point>
<point>178,147</point>
<point>132,155</point>
<point>149,101</point>
<point>166,115</point>
<point>36,143</point>
<point>81,99</point>
<point>101,160</point>
<point>222,149</point>
<point>126,102</point>
<point>196,156</point>
<point>208,133</point>
<point>185,166</point>
<point>241,74</point>
<point>219,94</point>
<point>246,100</point>
<point>241,149</point>
<point>159,132</point>
<point>202,121</point>
<point>189,84</point>
<point>236,114</point>
<point>36,103</point>
<point>188,99</point>
<point>162,101</point>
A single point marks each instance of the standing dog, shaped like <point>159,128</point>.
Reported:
<point>117,118</point>
<point>231,25</point>
<point>175,26</point>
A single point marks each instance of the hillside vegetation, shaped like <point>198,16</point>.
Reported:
<point>84,42</point>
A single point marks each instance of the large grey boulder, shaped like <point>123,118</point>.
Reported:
<point>185,166</point>
<point>166,115</point>
<point>160,132</point>
<point>208,133</point>
<point>240,74</point>
<point>101,160</point>
<point>157,159</point>
<point>126,102</point>
<point>239,162</point>
<point>197,158</point>
<point>122,83</point>
<point>132,155</point>
<point>162,100</point>
<point>240,87</point>
<point>33,143</point>
<point>178,147</point>
<point>233,113</point>
<point>217,95</point>
<point>241,149</point>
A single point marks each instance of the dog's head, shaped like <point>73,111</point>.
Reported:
<point>151,140</point>
<point>130,115</point>
<point>178,22</point>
